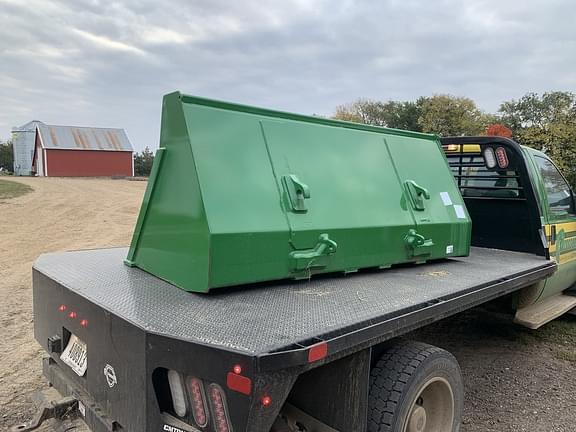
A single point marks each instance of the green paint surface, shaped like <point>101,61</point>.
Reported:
<point>240,194</point>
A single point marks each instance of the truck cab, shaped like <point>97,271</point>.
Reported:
<point>519,200</point>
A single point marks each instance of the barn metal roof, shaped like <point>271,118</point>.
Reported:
<point>83,138</point>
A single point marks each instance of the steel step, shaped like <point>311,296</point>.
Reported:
<point>538,314</point>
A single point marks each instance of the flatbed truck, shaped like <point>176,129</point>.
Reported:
<point>317,355</point>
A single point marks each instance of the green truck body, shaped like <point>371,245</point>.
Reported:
<point>527,206</point>
<point>240,194</point>
<point>558,221</point>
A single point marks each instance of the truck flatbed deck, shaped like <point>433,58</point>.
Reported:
<point>276,322</point>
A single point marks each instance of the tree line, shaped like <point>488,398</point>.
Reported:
<point>143,163</point>
<point>6,157</point>
<point>545,121</point>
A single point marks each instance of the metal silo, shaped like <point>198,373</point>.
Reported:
<point>23,139</point>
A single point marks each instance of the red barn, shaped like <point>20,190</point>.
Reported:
<point>68,151</point>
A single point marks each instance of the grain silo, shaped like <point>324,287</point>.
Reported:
<point>23,139</point>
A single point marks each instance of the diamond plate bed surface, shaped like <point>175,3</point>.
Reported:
<point>266,317</point>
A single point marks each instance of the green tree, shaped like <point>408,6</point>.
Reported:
<point>7,156</point>
<point>403,115</point>
<point>441,114</point>
<point>546,122</point>
<point>392,114</point>
<point>143,163</point>
<point>448,115</point>
<point>361,111</point>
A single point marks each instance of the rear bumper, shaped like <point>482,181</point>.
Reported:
<point>137,399</point>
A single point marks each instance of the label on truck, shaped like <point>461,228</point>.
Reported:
<point>75,355</point>
<point>445,196</point>
<point>460,214</point>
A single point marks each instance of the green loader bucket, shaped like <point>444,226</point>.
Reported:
<point>239,194</point>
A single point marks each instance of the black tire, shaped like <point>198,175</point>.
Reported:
<point>398,379</point>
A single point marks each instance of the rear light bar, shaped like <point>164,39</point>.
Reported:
<point>195,402</point>
<point>73,315</point>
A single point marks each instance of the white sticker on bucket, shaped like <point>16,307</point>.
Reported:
<point>449,249</point>
<point>460,213</point>
<point>446,198</point>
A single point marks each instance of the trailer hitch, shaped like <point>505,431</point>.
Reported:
<point>49,410</point>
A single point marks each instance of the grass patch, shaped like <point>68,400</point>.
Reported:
<point>10,189</point>
<point>562,331</point>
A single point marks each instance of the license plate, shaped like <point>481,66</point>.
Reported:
<point>75,355</point>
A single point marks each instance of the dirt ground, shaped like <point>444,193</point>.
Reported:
<point>515,380</point>
<point>60,214</point>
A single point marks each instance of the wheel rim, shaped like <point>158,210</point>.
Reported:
<point>432,410</point>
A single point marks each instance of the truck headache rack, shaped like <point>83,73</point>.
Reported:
<point>495,184</point>
<point>476,179</point>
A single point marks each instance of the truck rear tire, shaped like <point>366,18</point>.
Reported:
<point>415,387</point>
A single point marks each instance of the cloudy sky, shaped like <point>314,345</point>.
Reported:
<point>107,64</point>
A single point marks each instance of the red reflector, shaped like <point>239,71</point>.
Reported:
<point>72,315</point>
<point>84,323</point>
<point>239,383</point>
<point>62,308</point>
<point>266,400</point>
<point>317,352</point>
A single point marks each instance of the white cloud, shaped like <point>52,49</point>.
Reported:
<point>107,43</point>
<point>158,35</point>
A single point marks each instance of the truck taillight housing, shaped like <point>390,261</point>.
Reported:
<point>219,409</point>
<point>198,401</point>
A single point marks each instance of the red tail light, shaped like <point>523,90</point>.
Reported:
<point>196,391</point>
<point>502,157</point>
<point>219,410</point>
